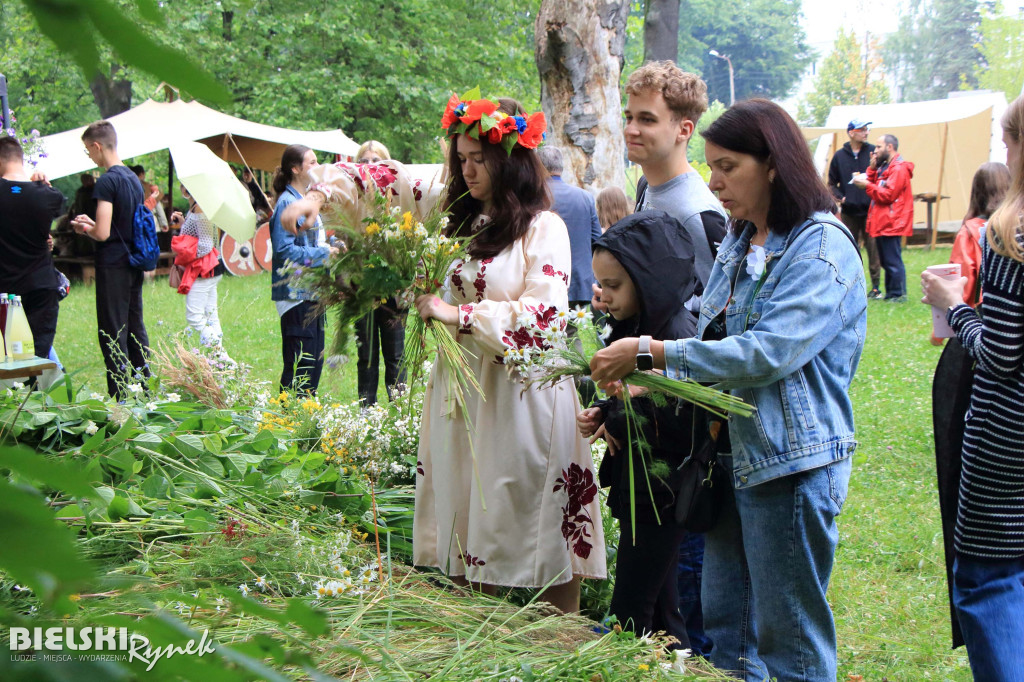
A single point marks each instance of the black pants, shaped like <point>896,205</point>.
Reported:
<point>858,226</point>
<point>122,332</point>
<point>646,597</point>
<point>41,308</point>
<point>382,332</point>
<point>302,349</point>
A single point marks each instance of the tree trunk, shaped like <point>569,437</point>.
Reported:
<point>579,56</point>
<point>227,17</point>
<point>112,95</point>
<point>661,30</point>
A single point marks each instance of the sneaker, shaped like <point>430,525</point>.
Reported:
<point>875,293</point>
<point>897,299</point>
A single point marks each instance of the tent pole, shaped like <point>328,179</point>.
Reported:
<point>938,197</point>
<point>170,182</point>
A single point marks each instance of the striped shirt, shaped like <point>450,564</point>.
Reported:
<point>990,516</point>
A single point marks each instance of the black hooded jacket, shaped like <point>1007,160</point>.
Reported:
<point>656,251</point>
<point>844,165</point>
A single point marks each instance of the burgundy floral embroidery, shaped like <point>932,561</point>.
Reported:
<point>479,283</point>
<point>417,193</point>
<point>550,271</point>
<point>419,468</point>
<point>471,560</point>
<point>523,337</point>
<point>581,490</point>
<point>457,278</point>
<point>465,311</point>
<point>381,175</point>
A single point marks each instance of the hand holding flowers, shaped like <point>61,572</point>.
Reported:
<point>430,307</point>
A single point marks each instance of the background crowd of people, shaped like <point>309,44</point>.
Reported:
<point>752,282</point>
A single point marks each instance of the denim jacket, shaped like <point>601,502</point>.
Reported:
<point>791,351</point>
<point>301,249</point>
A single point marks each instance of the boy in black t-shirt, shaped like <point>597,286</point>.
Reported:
<point>122,332</point>
<point>26,268</point>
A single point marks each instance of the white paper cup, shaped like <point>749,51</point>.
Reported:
<point>949,272</point>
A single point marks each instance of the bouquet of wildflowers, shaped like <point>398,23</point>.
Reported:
<point>389,255</point>
<point>539,352</point>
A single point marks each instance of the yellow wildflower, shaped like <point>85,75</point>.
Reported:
<point>407,222</point>
<point>372,228</point>
<point>643,667</point>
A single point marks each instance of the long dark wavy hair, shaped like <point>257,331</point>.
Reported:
<point>764,130</point>
<point>283,175</point>
<point>519,192</point>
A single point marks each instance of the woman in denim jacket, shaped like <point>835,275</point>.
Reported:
<point>790,286</point>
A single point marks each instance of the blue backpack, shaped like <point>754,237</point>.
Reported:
<point>145,251</point>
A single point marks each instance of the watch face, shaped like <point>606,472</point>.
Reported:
<point>644,362</point>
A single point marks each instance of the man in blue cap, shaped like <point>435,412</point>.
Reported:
<point>854,158</point>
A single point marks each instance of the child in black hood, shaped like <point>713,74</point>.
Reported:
<point>645,267</point>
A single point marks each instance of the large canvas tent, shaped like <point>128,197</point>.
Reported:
<point>946,139</point>
<point>154,126</point>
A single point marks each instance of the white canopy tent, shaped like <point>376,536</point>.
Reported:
<point>946,140</point>
<point>154,126</point>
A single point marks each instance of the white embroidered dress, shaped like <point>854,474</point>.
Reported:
<point>542,522</point>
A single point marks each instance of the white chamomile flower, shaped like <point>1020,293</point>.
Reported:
<point>95,396</point>
<point>298,576</point>
<point>173,397</point>
<point>606,331</point>
<point>91,428</point>
<point>261,583</point>
<point>244,589</point>
<point>17,385</point>
<point>525,319</point>
<point>135,388</point>
<point>580,314</point>
<point>151,406</point>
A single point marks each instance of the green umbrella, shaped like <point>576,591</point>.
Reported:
<point>212,183</point>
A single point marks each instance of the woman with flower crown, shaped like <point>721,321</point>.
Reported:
<point>514,502</point>
<point>505,489</point>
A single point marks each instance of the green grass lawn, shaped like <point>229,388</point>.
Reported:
<point>888,589</point>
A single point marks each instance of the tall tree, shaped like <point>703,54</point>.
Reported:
<point>661,30</point>
<point>579,52</point>
<point>1003,51</point>
<point>935,49</point>
<point>846,77</point>
<point>763,38</point>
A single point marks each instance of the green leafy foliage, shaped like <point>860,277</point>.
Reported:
<point>763,38</point>
<point>935,49</point>
<point>1003,52</point>
<point>76,26</point>
<point>845,77</point>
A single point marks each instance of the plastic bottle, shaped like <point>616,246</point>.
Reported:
<point>18,335</point>
<point>3,326</point>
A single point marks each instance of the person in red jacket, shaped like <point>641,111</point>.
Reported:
<point>891,214</point>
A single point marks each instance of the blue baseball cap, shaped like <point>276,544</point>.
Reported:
<point>857,124</point>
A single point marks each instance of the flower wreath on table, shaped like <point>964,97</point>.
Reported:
<point>481,120</point>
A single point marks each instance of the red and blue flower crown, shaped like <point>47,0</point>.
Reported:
<point>481,120</point>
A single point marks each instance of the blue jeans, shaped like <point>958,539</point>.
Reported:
<point>691,566</point>
<point>989,601</point>
<point>890,254</point>
<point>767,564</point>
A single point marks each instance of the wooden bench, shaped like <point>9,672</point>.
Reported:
<point>84,268</point>
<point>77,267</point>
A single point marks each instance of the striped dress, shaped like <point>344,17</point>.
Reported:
<point>990,517</point>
